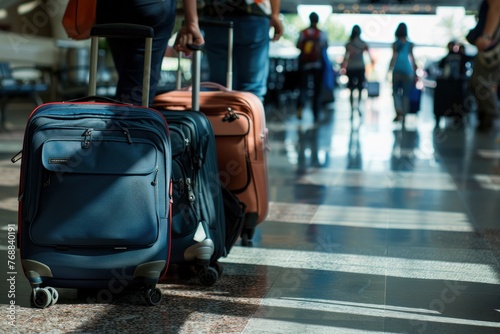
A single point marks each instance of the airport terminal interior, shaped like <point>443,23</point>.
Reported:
<point>372,227</point>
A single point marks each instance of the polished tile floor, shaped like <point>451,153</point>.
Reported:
<point>372,228</point>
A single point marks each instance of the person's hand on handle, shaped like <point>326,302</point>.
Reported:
<point>189,34</point>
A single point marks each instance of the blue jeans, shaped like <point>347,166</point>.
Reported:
<point>250,53</point>
<point>128,53</point>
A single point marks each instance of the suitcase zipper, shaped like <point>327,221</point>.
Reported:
<point>87,138</point>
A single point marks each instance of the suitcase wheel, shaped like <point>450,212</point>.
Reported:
<point>219,267</point>
<point>54,295</point>
<point>44,297</point>
<point>153,296</point>
<point>208,276</point>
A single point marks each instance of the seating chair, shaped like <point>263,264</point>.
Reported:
<point>12,87</point>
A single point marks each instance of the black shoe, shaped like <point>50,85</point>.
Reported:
<point>398,118</point>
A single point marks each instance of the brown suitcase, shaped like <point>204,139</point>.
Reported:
<point>239,124</point>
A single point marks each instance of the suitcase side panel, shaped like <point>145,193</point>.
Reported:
<point>54,226</point>
<point>373,88</point>
<point>449,98</point>
<point>215,105</point>
<point>201,199</point>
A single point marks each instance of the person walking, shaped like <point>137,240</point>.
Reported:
<point>354,66</point>
<point>403,70</point>
<point>485,80</point>
<point>128,53</point>
<point>312,43</point>
<point>251,27</point>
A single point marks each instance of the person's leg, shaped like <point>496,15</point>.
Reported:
<point>128,54</point>
<point>216,44</point>
<point>251,54</point>
<point>360,87</point>
<point>163,32</point>
<point>396,94</point>
<point>407,84</point>
<point>351,84</point>
<point>318,85</point>
<point>303,91</point>
<point>351,100</point>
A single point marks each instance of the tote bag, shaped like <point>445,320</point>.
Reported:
<point>79,18</point>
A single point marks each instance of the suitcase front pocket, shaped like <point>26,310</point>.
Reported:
<point>104,195</point>
<point>231,135</point>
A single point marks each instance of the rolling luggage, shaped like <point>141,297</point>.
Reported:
<point>449,98</point>
<point>373,88</point>
<point>198,226</point>
<point>415,98</point>
<point>239,124</point>
<point>94,194</point>
<point>199,233</point>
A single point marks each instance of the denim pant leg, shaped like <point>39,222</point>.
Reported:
<point>401,88</point>
<point>318,85</point>
<point>250,53</point>
<point>216,53</point>
<point>303,88</point>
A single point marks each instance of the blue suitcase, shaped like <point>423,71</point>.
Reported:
<point>204,215</point>
<point>198,228</point>
<point>373,88</point>
<point>94,197</point>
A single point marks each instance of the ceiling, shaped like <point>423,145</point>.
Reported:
<point>380,6</point>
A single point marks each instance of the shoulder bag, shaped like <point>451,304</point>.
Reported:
<point>79,18</point>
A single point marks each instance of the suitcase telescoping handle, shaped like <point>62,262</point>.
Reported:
<point>121,30</point>
<point>196,76</point>
<point>230,43</point>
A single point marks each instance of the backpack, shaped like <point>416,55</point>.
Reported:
<point>311,46</point>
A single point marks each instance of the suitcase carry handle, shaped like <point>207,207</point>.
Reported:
<point>96,98</point>
<point>209,84</point>
<point>121,30</point>
<point>215,85</point>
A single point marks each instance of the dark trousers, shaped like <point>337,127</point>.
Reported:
<point>128,53</point>
<point>308,76</point>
